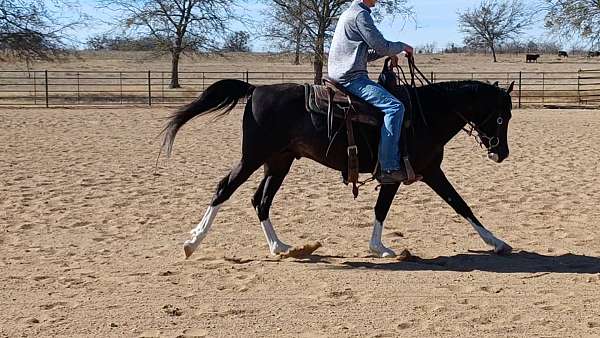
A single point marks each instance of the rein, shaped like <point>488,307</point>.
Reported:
<point>474,131</point>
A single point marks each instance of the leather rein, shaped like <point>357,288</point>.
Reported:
<point>473,130</point>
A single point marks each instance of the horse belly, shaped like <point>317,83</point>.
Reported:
<point>314,144</point>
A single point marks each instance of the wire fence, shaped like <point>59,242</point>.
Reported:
<point>50,88</point>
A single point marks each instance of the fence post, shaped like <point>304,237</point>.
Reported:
<point>162,85</point>
<point>543,87</point>
<point>520,87</point>
<point>77,87</point>
<point>579,86</point>
<point>46,85</point>
<point>34,89</point>
<point>121,87</point>
<point>431,77</point>
<point>149,91</point>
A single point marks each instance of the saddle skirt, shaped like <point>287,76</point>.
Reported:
<point>317,101</point>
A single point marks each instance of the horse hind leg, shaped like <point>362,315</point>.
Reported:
<point>226,187</point>
<point>275,171</point>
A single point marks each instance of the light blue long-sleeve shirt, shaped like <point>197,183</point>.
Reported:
<point>357,41</point>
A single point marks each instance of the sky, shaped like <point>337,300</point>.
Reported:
<point>436,21</point>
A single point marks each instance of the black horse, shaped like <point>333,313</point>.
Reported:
<point>277,129</point>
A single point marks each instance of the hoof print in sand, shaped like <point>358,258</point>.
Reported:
<point>172,311</point>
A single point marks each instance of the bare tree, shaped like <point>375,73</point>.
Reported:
<point>237,42</point>
<point>178,25</point>
<point>493,22</point>
<point>34,29</point>
<point>574,18</point>
<point>427,48</point>
<point>285,28</point>
<point>121,43</point>
<point>318,18</point>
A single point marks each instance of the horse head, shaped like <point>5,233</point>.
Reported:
<point>493,128</point>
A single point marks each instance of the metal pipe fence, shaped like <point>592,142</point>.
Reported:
<point>49,88</point>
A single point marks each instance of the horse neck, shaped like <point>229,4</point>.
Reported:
<point>449,104</point>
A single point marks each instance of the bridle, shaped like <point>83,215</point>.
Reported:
<point>473,129</point>
<point>479,135</point>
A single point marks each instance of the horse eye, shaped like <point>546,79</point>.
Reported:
<point>499,120</point>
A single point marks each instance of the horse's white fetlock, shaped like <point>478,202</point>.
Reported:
<point>376,246</point>
<point>278,247</point>
<point>200,231</point>
<point>500,247</point>
<point>381,250</point>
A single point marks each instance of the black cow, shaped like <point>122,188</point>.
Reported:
<point>563,53</point>
<point>531,57</point>
<point>593,54</point>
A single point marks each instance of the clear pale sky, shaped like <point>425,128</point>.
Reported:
<point>436,21</point>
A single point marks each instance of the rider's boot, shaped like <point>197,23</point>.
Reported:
<point>404,175</point>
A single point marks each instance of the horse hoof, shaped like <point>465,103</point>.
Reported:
<point>382,252</point>
<point>188,248</point>
<point>279,249</point>
<point>503,249</point>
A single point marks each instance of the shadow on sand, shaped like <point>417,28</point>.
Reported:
<point>518,262</point>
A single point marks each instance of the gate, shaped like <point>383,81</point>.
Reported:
<point>588,86</point>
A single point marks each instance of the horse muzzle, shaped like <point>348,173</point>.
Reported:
<point>494,157</point>
<point>497,157</point>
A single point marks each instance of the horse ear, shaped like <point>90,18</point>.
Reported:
<point>496,84</point>
<point>511,87</point>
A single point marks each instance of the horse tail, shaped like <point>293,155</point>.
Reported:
<point>221,95</point>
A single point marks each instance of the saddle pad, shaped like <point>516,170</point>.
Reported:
<point>317,101</point>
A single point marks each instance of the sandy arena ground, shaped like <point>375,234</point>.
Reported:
<point>90,239</point>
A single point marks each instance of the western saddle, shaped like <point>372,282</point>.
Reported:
<point>333,100</point>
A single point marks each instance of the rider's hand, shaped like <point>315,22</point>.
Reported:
<point>408,50</point>
<point>394,61</point>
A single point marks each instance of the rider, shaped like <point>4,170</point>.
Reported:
<point>357,41</point>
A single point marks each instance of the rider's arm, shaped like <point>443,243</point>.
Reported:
<point>373,37</point>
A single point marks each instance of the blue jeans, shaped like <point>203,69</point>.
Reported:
<point>393,110</point>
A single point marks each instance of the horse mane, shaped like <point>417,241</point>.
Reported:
<point>462,92</point>
<point>465,87</point>
<point>442,98</point>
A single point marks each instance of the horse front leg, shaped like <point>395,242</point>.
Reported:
<point>384,201</point>
<point>437,181</point>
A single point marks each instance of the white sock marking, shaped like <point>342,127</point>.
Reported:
<point>377,232</point>
<point>201,230</point>
<point>275,245</point>
<point>376,245</point>
<point>487,236</point>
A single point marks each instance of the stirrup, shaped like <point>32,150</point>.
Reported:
<point>411,177</point>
